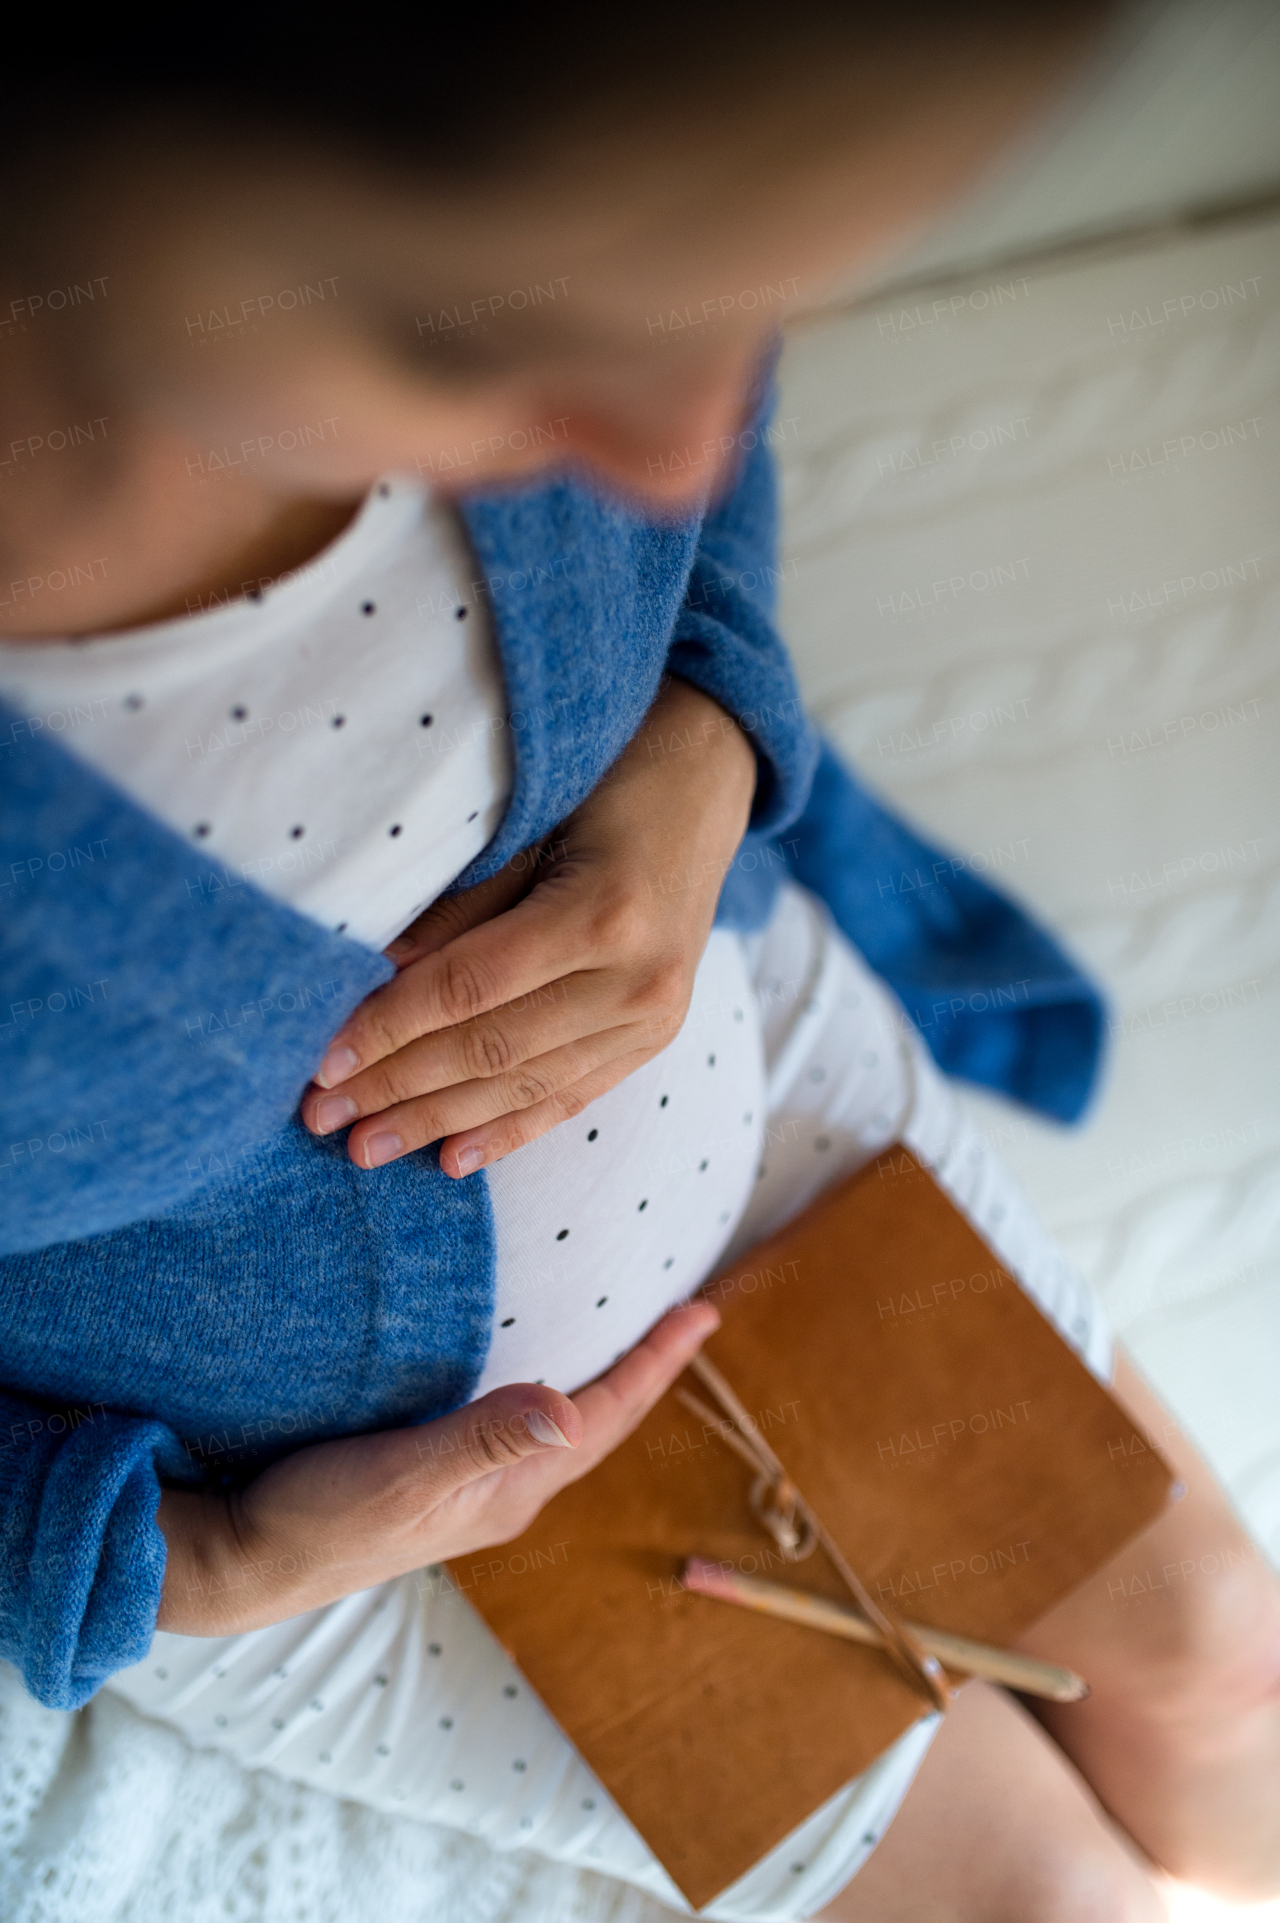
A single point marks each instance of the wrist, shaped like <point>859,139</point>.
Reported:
<point>215,1582</point>
<point>691,729</point>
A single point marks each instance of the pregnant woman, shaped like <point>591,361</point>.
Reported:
<point>375,1358</point>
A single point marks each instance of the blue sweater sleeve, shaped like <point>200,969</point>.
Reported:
<point>996,998</point>
<point>725,640</point>
<point>82,1559</point>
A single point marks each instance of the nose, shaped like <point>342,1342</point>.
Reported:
<point>673,444</point>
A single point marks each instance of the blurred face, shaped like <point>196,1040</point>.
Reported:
<point>284,322</point>
<point>325,322</point>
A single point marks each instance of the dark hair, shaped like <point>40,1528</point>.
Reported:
<point>463,89</point>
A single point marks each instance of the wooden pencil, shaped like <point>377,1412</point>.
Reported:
<point>705,1578</point>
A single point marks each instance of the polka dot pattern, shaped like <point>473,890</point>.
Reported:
<point>461,1743</point>
<point>600,1229</point>
<point>336,742</point>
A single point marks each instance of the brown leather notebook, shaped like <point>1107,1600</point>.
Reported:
<point>962,1456</point>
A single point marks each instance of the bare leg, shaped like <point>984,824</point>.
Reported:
<point>998,1828</point>
<point>1179,1638</point>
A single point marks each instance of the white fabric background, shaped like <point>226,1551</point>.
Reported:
<point>1033,696</point>
<point>1175,113</point>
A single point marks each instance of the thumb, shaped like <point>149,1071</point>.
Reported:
<point>453,915</point>
<point>518,1420</point>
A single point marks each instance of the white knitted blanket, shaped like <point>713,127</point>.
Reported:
<point>106,1817</point>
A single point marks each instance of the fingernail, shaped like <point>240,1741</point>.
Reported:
<point>382,1148</point>
<point>543,1429</point>
<point>469,1159</point>
<point>336,1066</point>
<point>335,1113</point>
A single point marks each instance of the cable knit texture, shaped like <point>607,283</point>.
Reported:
<point>106,1817</point>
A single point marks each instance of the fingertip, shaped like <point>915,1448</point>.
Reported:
<point>567,1417</point>
<point>544,1430</point>
<point>333,1113</point>
<point>375,1151</point>
<point>459,1161</point>
<point>516,1403</point>
<point>689,1325</point>
<point>338,1064</point>
<point>404,955</point>
<point>704,1318</point>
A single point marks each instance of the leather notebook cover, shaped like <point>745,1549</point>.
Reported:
<point>961,1454</point>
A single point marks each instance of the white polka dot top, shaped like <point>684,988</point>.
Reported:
<point>338,739</point>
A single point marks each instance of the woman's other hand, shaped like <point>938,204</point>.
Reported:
<point>341,1516</point>
<point>521,1000</point>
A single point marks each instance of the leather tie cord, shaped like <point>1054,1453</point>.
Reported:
<point>778,1504</point>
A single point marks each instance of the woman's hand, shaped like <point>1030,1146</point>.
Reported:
<point>342,1516</point>
<point>504,1019</point>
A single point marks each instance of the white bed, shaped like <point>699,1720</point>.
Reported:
<point>1031,582</point>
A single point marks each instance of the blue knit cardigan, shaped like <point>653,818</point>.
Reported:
<point>192,1283</point>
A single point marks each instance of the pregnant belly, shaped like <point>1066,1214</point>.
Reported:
<point>617,1214</point>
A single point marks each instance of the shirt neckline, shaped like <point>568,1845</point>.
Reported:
<point>387,510</point>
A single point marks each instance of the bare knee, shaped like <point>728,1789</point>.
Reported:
<point>1082,1880</point>
<point>1214,1652</point>
<point>1199,1623</point>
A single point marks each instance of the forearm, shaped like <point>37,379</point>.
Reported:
<point>224,1574</point>
<point>210,1587</point>
<point>689,737</point>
